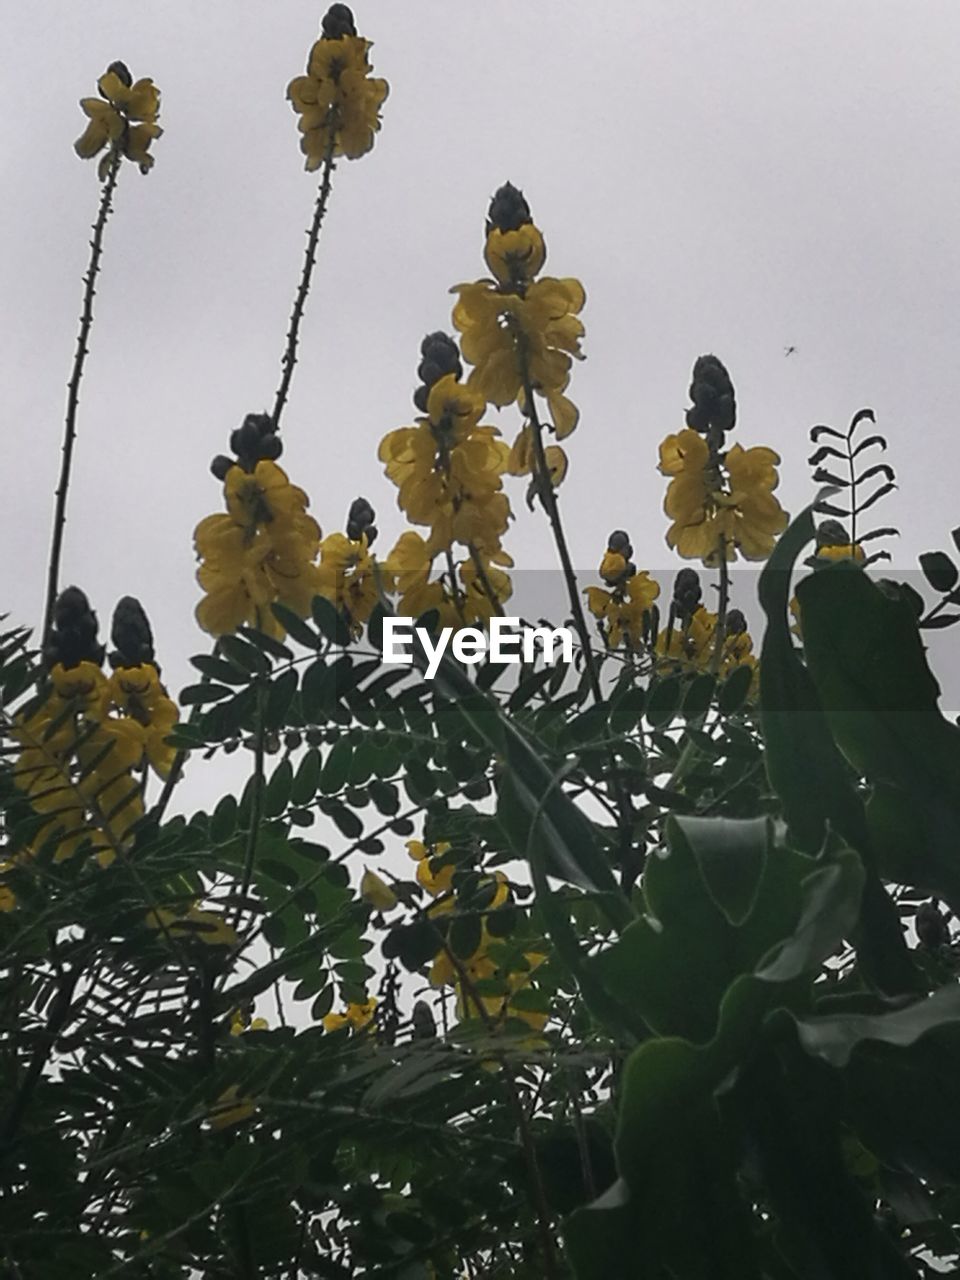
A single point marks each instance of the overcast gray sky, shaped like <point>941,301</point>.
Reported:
<point>735,177</point>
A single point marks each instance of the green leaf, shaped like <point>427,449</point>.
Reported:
<point>734,690</point>
<point>245,656</point>
<point>699,695</point>
<point>280,695</point>
<point>336,768</point>
<point>276,794</point>
<point>331,624</point>
<point>307,778</point>
<point>266,643</point>
<point>196,695</point>
<point>295,626</point>
<point>663,701</point>
<point>216,669</point>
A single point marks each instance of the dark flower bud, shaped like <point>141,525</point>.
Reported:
<point>236,440</point>
<point>73,637</point>
<point>221,465</point>
<point>832,534</point>
<point>122,72</point>
<point>932,928</point>
<point>440,357</point>
<point>262,423</point>
<point>619,541</point>
<point>686,590</point>
<point>736,623</point>
<point>292,739</point>
<point>131,634</point>
<point>270,447</point>
<point>508,210</point>
<point>338,22</point>
<point>360,521</point>
<point>314,737</point>
<point>714,402</point>
<point>441,354</point>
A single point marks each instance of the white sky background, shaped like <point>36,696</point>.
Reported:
<point>733,177</point>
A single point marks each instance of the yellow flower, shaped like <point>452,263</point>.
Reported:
<point>515,256</point>
<point>449,470</point>
<point>744,516</point>
<point>851,551</point>
<point>138,693</point>
<point>356,1016</point>
<point>622,610</point>
<point>346,577</point>
<point>124,116</point>
<point>376,892</point>
<point>693,645</point>
<point>263,550</point>
<point>338,101</point>
<point>479,606</point>
<point>503,332</point>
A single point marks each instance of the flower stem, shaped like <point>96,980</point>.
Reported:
<point>313,237</point>
<point>548,500</point>
<point>73,391</point>
<point>722,605</point>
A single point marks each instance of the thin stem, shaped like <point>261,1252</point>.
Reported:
<point>853,485</point>
<point>256,802</point>
<point>548,500</point>
<point>73,391</point>
<point>313,236</point>
<point>722,605</point>
<point>630,867</point>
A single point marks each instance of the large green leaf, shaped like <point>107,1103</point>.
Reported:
<point>724,903</point>
<point>880,698</point>
<point>809,773</point>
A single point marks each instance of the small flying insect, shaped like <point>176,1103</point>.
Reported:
<point>788,351</point>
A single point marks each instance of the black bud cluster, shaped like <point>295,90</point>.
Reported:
<point>255,439</point>
<point>122,72</point>
<point>832,534</point>
<point>714,401</point>
<point>619,544</point>
<point>360,521</point>
<point>73,636</point>
<point>338,22</point>
<point>440,356</point>
<point>687,593</point>
<point>508,210</point>
<point>736,623</point>
<point>131,634</point>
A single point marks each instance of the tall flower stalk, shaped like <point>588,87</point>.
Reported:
<point>122,124</point>
<point>338,102</point>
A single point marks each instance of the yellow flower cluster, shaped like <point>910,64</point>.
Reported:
<point>338,101</point>
<point>711,511</point>
<point>261,550</point>
<point>124,116</point>
<point>80,749</point>
<point>347,577</point>
<point>621,610</point>
<point>692,646</point>
<point>355,1016</point>
<point>522,334</point>
<point>449,473</point>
